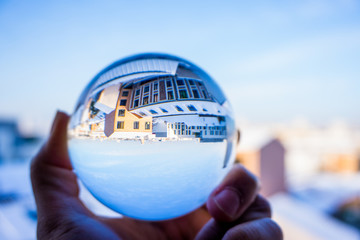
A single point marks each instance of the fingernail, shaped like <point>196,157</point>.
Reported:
<point>228,200</point>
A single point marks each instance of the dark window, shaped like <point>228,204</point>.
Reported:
<point>142,113</point>
<point>155,97</point>
<point>155,86</point>
<point>121,113</point>
<point>147,125</point>
<point>153,111</point>
<point>145,100</point>
<point>137,93</point>
<point>191,82</point>
<point>191,108</point>
<point>125,93</point>
<point>136,103</point>
<point>163,110</point>
<point>120,125</point>
<point>170,95</point>
<point>195,93</point>
<point>136,125</point>
<point>204,93</point>
<point>204,109</point>
<point>200,83</point>
<point>183,94</point>
<point>146,89</point>
<point>123,102</point>
<point>179,108</point>
<point>168,83</point>
<point>180,82</point>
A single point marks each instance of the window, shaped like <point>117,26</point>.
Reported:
<point>136,103</point>
<point>147,125</point>
<point>153,111</point>
<point>168,83</point>
<point>183,94</point>
<point>204,109</point>
<point>155,97</point>
<point>204,93</point>
<point>191,82</point>
<point>195,93</point>
<point>180,82</point>
<point>163,110</point>
<point>137,93</point>
<point>120,125</point>
<point>123,102</point>
<point>170,95</point>
<point>125,93</point>
<point>179,109</point>
<point>146,89</point>
<point>121,113</point>
<point>145,100</point>
<point>142,113</point>
<point>191,108</point>
<point>136,125</point>
<point>155,86</point>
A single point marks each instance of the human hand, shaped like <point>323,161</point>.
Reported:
<point>234,210</point>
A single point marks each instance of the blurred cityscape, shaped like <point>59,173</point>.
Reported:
<point>309,173</point>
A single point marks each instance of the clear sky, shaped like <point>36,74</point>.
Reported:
<point>275,60</point>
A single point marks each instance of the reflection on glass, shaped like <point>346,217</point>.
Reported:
<point>151,136</point>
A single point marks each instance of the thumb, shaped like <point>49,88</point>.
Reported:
<point>53,181</point>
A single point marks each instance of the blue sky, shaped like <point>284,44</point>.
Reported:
<point>275,60</point>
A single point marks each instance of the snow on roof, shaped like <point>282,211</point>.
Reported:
<point>108,97</point>
<point>299,220</point>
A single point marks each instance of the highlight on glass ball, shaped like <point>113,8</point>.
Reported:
<point>151,136</point>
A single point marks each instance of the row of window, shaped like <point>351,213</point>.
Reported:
<point>195,91</point>
<point>189,132</point>
<point>121,125</point>
<point>184,126</point>
<point>178,108</point>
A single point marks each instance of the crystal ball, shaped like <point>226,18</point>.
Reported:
<point>151,136</point>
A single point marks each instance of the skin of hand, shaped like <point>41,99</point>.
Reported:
<point>234,210</point>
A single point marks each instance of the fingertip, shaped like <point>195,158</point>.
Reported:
<point>61,119</point>
<point>234,195</point>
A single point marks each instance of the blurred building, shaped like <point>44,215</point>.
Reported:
<point>13,145</point>
<point>265,157</point>
<point>300,221</point>
<point>9,136</point>
<point>310,149</point>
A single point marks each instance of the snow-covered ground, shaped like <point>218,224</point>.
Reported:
<point>152,181</point>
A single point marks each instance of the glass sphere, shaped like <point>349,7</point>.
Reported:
<point>151,136</point>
